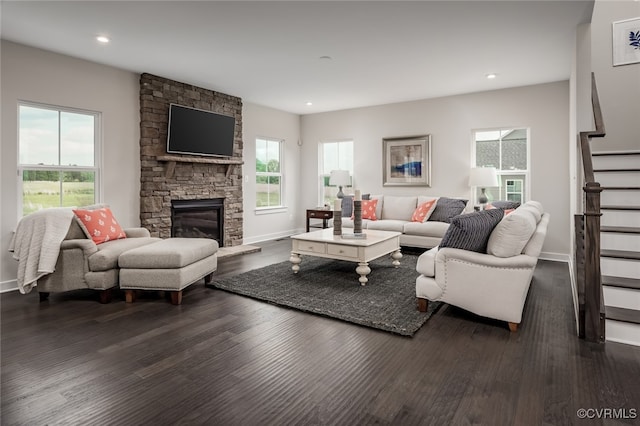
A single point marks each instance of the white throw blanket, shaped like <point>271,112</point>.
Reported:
<point>36,244</point>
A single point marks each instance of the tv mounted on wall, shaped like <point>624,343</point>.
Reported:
<point>199,132</point>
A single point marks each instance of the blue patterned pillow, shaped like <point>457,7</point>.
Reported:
<point>446,209</point>
<point>472,231</point>
<point>347,204</point>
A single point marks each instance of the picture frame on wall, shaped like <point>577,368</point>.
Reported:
<point>407,161</point>
<point>626,41</point>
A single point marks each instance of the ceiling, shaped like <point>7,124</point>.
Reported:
<point>274,53</point>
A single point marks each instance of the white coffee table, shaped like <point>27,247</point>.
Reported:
<point>324,244</point>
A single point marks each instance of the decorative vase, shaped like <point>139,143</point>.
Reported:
<point>357,217</point>
<point>337,222</point>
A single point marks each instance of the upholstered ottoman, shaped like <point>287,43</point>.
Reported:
<point>168,265</point>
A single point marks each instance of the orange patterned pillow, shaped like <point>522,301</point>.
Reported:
<point>423,211</point>
<point>369,209</point>
<point>99,225</point>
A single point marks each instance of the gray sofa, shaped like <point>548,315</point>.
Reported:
<point>394,214</point>
<point>83,264</point>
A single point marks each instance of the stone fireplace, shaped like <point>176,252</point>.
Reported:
<point>167,180</point>
<point>198,219</point>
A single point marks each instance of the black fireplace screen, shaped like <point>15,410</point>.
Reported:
<point>198,219</point>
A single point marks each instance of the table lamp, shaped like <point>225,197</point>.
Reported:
<point>339,178</point>
<point>483,177</point>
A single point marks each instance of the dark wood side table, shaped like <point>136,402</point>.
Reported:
<point>325,215</point>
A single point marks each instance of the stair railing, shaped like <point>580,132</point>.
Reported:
<point>591,314</point>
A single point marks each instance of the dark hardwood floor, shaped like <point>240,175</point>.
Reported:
<point>223,359</point>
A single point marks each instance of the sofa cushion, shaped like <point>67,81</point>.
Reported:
<point>512,233</point>
<point>426,264</point>
<point>536,204</point>
<point>423,211</point>
<point>387,225</point>
<point>471,231</point>
<point>100,225</point>
<point>447,208</point>
<point>399,208</point>
<point>534,211</point>
<point>426,229</point>
<point>107,255</point>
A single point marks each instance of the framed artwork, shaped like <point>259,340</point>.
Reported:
<point>626,42</point>
<point>407,161</point>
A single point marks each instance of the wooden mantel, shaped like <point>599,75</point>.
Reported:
<point>171,161</point>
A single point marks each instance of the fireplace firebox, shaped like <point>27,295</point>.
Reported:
<point>198,219</point>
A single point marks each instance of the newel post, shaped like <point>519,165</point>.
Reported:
<point>594,308</point>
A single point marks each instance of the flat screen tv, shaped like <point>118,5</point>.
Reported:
<point>199,132</point>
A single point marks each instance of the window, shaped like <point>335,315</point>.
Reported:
<point>268,173</point>
<point>514,190</point>
<point>57,151</point>
<point>333,156</point>
<point>508,151</point>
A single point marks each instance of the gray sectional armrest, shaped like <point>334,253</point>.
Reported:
<point>87,246</point>
<point>137,232</point>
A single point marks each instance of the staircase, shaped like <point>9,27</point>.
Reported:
<point>619,176</point>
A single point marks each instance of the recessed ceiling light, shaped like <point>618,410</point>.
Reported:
<point>103,39</point>
<point>309,103</point>
<point>491,76</point>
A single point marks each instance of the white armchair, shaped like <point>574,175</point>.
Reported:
<point>493,285</point>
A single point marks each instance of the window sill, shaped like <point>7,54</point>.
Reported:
<point>270,210</point>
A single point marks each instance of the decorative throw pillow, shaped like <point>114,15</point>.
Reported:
<point>369,209</point>
<point>512,234</point>
<point>99,225</point>
<point>446,209</point>
<point>423,211</point>
<point>347,204</point>
<point>471,231</point>
<point>503,205</point>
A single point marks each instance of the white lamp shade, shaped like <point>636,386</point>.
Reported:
<point>339,178</point>
<point>483,177</point>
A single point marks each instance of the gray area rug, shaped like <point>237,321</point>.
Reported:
<point>331,288</point>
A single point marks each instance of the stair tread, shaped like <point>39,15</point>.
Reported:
<point>617,207</point>
<point>621,229</point>
<point>624,282</point>
<point>620,188</point>
<point>613,153</point>
<point>623,314</point>
<point>620,254</point>
<point>616,170</point>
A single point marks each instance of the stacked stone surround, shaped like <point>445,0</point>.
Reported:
<point>189,181</point>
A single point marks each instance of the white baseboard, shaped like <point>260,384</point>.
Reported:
<point>269,237</point>
<point>6,286</point>
<point>555,257</point>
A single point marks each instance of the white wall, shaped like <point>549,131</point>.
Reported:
<point>618,87</point>
<point>450,120</point>
<point>37,75</point>
<point>259,121</point>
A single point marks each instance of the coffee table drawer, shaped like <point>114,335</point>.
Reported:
<point>342,251</point>
<point>310,247</point>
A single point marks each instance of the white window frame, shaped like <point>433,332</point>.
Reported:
<point>525,173</point>
<point>506,189</point>
<point>97,152</point>
<point>281,207</point>
<point>322,176</point>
